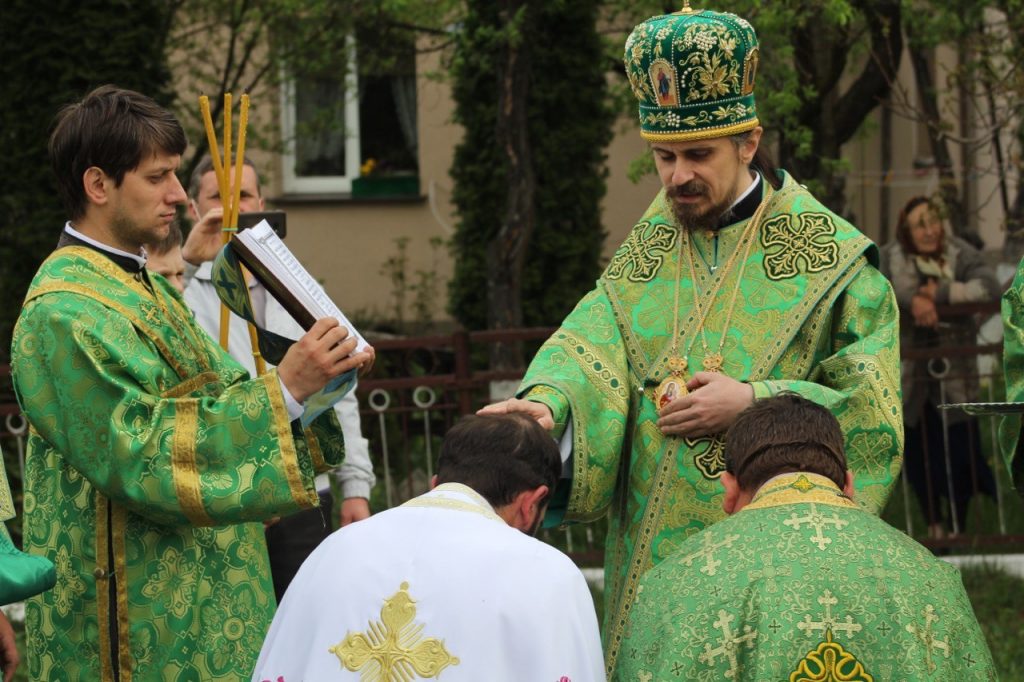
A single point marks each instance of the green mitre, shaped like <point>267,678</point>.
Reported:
<point>693,72</point>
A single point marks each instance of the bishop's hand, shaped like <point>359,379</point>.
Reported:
<point>710,407</point>
<point>537,411</point>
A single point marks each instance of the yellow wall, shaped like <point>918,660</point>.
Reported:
<point>344,242</point>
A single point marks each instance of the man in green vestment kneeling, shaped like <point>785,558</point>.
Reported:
<point>152,457</point>
<point>799,583</point>
<point>735,284</point>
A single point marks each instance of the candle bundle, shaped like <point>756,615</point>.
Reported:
<point>230,192</point>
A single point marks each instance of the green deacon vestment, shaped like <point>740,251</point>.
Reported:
<point>813,316</point>
<point>803,585</point>
<point>151,461</point>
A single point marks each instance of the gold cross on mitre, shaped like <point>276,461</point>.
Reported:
<point>230,195</point>
<point>686,8</point>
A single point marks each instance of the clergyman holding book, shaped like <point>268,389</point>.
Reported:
<point>152,456</point>
<point>290,540</point>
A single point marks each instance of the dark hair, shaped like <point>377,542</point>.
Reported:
<point>173,240</point>
<point>762,162</point>
<point>205,166</point>
<point>114,130</point>
<point>903,235</point>
<point>499,456</point>
<point>783,434</point>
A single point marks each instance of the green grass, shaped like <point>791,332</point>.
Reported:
<point>998,601</point>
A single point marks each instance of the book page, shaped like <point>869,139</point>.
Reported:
<point>278,258</point>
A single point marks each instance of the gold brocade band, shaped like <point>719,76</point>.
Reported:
<point>703,134</point>
<point>101,574</point>
<point>189,385</point>
<point>183,462</point>
<point>800,488</point>
<point>478,505</point>
<point>304,497</point>
<point>131,314</point>
<point>640,558</point>
<point>315,452</point>
<point>118,519</point>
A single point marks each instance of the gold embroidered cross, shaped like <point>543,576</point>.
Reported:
<point>768,573</point>
<point>927,637</point>
<point>643,252</point>
<point>807,247</point>
<point>707,552</point>
<point>818,521</point>
<point>391,650</point>
<point>829,623</point>
<point>728,644</point>
<point>883,577</point>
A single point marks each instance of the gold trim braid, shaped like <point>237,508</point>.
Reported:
<point>315,452</point>
<point>183,462</point>
<point>800,488</point>
<point>189,385</point>
<point>289,456</point>
<point>127,313</point>
<point>640,557</point>
<point>118,518</point>
<point>102,587</point>
<point>703,134</point>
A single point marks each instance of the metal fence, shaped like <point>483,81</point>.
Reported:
<point>422,385</point>
<point>954,493</point>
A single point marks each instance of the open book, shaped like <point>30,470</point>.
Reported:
<point>270,261</point>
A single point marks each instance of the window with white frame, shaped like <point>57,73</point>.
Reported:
<point>352,132</point>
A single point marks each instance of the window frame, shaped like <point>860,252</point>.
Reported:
<point>292,183</point>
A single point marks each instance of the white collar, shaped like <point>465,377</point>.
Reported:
<point>458,497</point>
<point>748,190</point>
<point>140,259</point>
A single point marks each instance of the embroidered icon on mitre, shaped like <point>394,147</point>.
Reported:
<point>663,78</point>
<point>750,63</point>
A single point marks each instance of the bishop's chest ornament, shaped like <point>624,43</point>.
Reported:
<point>673,386</point>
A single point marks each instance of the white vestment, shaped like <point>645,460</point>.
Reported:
<point>438,588</point>
<point>356,472</point>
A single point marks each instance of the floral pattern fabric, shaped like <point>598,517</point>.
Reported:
<point>802,585</point>
<point>827,333</point>
<point>151,462</point>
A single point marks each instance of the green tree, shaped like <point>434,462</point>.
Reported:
<point>825,67</point>
<point>53,52</point>
<point>251,46</point>
<point>529,87</point>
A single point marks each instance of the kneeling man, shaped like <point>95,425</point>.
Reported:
<point>802,584</point>
<point>451,581</point>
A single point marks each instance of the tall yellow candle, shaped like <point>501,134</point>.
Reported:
<point>243,124</point>
<point>228,115</point>
<point>211,141</point>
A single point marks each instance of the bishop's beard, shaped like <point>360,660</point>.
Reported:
<point>691,217</point>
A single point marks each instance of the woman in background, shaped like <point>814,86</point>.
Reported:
<point>928,268</point>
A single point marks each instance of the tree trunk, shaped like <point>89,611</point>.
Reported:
<point>949,189</point>
<point>834,117</point>
<point>507,252</point>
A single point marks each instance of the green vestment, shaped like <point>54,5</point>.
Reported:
<point>802,585</point>
<point>151,461</point>
<point>812,316</point>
